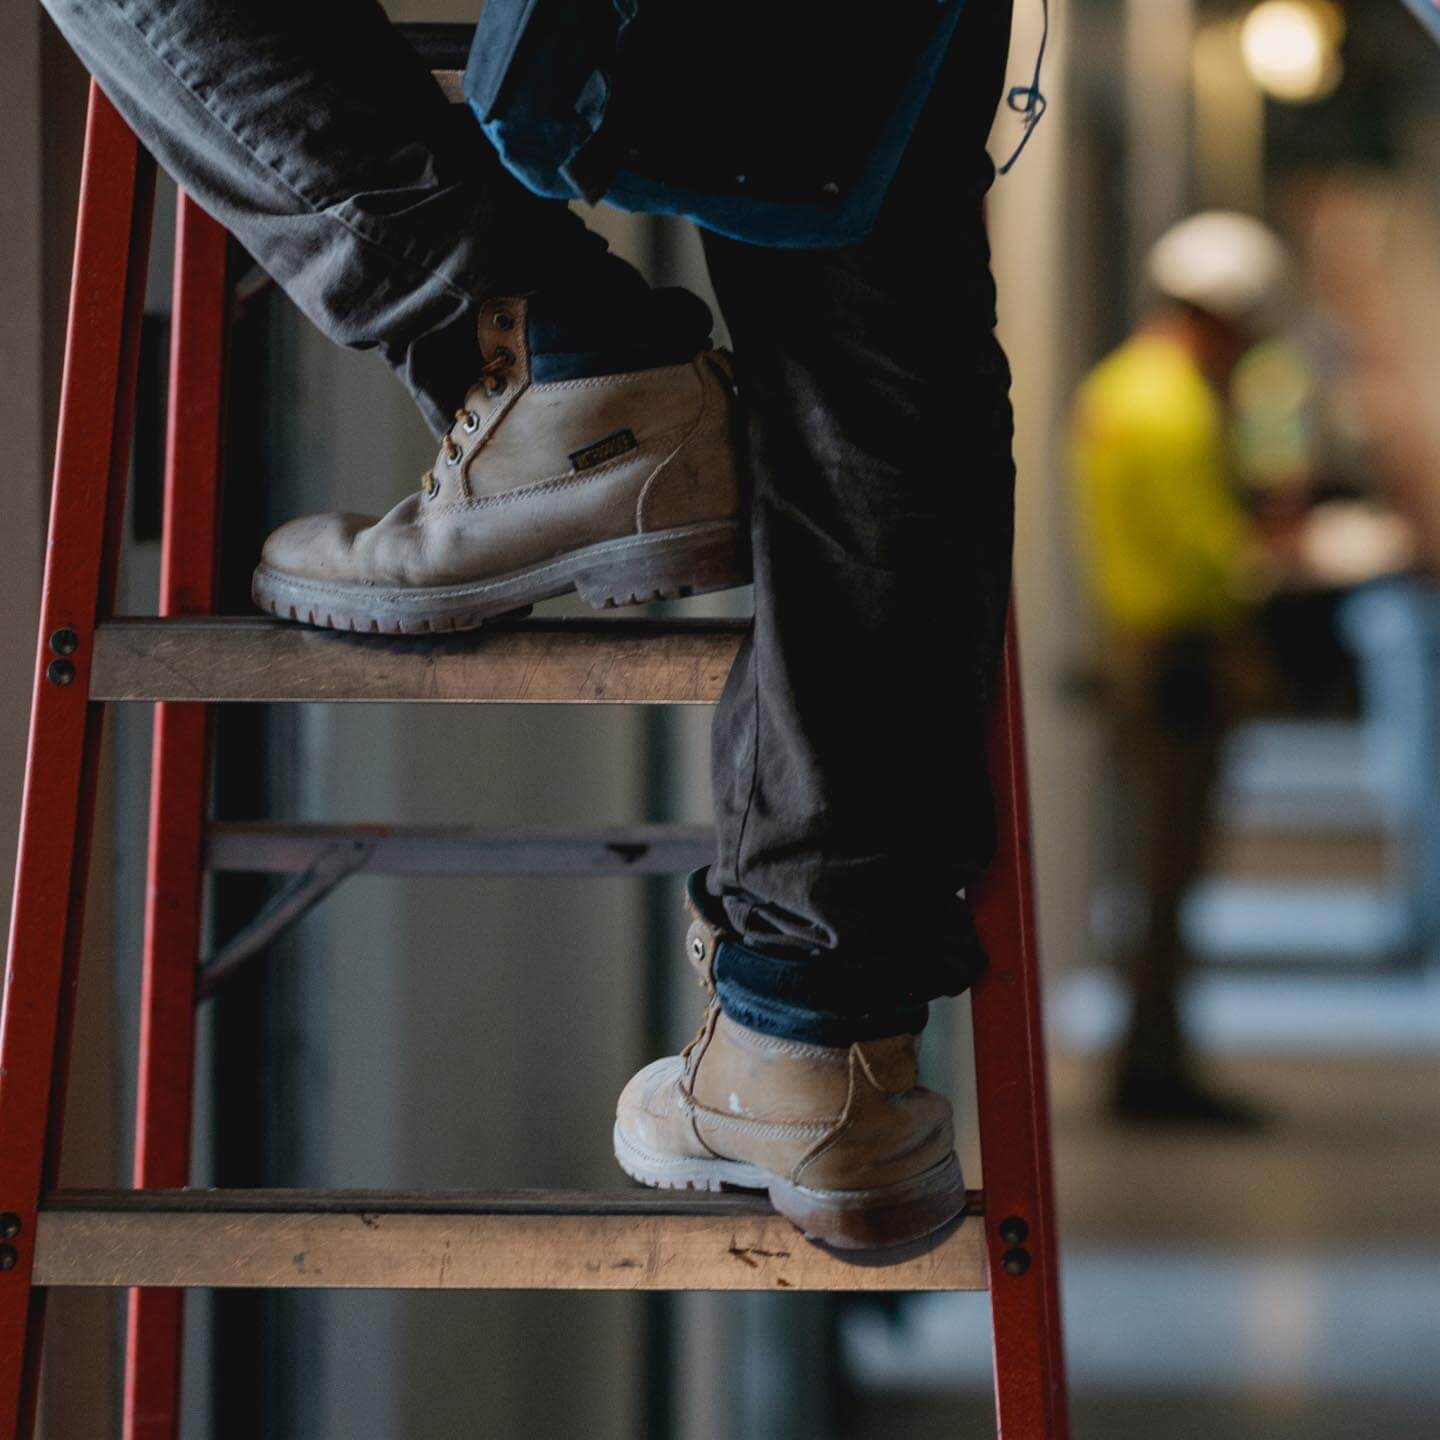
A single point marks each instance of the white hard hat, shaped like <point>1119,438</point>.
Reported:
<point>1220,261</point>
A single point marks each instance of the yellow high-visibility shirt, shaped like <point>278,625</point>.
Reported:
<point>1166,542</point>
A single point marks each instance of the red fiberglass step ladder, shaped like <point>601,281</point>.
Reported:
<point>160,1237</point>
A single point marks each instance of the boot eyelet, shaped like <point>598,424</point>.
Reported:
<point>452,457</point>
<point>506,354</point>
<point>504,320</point>
<point>471,422</point>
<point>497,385</point>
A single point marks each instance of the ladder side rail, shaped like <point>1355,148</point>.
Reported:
<point>174,892</point>
<point>1013,1101</point>
<point>57,815</point>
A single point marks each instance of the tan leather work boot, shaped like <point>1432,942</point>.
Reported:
<point>622,487</point>
<point>850,1148</point>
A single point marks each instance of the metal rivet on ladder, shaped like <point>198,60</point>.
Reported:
<point>697,948</point>
<point>65,641</point>
<point>1015,1262</point>
<point>59,672</point>
<point>9,1225</point>
<point>9,1257</point>
<point>1013,1230</point>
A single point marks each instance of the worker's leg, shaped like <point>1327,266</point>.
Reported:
<point>850,786</point>
<point>1171,747</point>
<point>557,378</point>
<point>312,132</point>
<point>1171,725</point>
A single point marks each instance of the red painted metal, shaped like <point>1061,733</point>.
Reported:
<point>174,895</point>
<point>1013,1103</point>
<point>91,463</point>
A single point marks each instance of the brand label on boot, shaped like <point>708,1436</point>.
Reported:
<point>612,447</point>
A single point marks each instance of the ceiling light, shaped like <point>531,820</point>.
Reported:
<point>1291,49</point>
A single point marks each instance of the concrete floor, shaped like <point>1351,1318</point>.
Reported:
<point>1284,1284</point>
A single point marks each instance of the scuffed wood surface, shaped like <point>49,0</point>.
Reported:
<point>544,1241</point>
<point>556,662</point>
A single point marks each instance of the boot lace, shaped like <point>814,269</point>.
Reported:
<point>493,378</point>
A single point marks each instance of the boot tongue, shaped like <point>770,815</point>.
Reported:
<point>702,940</point>
<point>572,336</point>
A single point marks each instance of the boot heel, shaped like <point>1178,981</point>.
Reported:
<point>875,1219</point>
<point>693,560</point>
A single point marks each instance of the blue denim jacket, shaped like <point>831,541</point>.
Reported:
<point>573,100</point>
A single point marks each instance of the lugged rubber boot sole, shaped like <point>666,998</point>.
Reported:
<point>633,569</point>
<point>878,1218</point>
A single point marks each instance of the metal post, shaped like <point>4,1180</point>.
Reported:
<point>178,792</point>
<point>92,458</point>
<point>1013,1105</point>
<point>1158,40</point>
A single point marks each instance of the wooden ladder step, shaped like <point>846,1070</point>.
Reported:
<point>557,662</point>
<point>444,48</point>
<point>466,1240</point>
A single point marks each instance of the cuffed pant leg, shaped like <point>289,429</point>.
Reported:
<point>312,132</point>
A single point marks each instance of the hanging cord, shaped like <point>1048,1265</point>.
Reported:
<point>1029,100</point>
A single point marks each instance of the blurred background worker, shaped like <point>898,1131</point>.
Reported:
<point>1176,569</point>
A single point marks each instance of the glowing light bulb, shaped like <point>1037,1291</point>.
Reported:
<point>1290,49</point>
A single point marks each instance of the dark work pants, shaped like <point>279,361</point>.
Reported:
<point>850,793</point>
<point>313,133</point>
<point>850,788</point>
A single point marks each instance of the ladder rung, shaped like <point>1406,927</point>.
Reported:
<point>565,662</point>
<point>442,45</point>
<point>264,847</point>
<point>518,1240</point>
